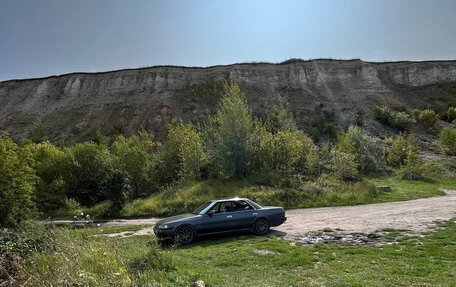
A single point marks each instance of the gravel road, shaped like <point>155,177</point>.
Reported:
<point>416,216</point>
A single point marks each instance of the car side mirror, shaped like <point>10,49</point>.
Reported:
<point>210,212</point>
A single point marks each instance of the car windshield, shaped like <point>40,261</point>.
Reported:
<point>201,208</point>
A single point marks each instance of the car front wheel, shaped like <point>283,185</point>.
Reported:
<point>184,235</point>
<point>261,226</point>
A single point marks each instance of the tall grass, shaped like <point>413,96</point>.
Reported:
<point>90,259</point>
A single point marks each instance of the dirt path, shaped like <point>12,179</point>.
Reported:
<point>415,215</point>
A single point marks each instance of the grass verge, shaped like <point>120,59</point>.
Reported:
<point>78,260</point>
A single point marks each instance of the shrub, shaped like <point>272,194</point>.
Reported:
<point>15,245</point>
<point>286,154</point>
<point>342,165</point>
<point>399,120</point>
<point>426,117</point>
<point>365,149</point>
<point>229,134</point>
<point>451,114</point>
<point>447,141</point>
<point>322,129</point>
<point>403,151</point>
<point>17,185</point>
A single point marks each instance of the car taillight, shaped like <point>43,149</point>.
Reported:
<point>283,213</point>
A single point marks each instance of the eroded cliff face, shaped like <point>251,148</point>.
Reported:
<point>67,107</point>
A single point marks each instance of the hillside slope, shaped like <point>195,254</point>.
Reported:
<point>69,107</point>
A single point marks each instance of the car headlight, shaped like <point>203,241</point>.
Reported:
<point>162,226</point>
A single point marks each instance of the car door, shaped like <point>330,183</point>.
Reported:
<point>219,218</point>
<point>244,214</point>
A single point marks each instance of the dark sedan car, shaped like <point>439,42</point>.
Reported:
<point>221,215</point>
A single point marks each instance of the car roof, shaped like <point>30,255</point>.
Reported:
<point>228,199</point>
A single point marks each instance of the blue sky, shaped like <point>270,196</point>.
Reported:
<point>41,38</point>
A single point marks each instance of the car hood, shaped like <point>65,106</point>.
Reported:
<point>177,218</point>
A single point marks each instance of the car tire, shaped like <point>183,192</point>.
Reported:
<point>184,235</point>
<point>261,226</point>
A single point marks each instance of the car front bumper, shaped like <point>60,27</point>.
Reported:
<point>164,233</point>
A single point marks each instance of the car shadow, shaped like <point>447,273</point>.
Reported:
<point>220,238</point>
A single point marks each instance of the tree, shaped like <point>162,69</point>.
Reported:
<point>281,119</point>
<point>117,188</point>
<point>46,160</point>
<point>135,156</point>
<point>229,134</point>
<point>17,185</point>
<point>86,167</point>
<point>182,155</point>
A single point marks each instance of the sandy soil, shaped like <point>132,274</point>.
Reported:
<point>416,216</point>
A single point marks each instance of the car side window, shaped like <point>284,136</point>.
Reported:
<point>241,205</point>
<point>226,206</point>
<point>221,207</point>
<point>215,208</point>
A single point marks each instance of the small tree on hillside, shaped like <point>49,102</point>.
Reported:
<point>281,118</point>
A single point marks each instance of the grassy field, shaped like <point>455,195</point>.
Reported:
<point>81,260</point>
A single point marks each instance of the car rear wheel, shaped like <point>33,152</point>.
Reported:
<point>184,235</point>
<point>261,226</point>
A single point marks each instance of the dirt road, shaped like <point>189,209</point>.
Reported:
<point>415,215</point>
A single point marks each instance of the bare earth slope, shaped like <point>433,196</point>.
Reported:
<point>68,107</point>
<point>414,215</point>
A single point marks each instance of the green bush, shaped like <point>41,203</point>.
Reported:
<point>322,129</point>
<point>451,114</point>
<point>403,151</point>
<point>426,117</point>
<point>447,141</point>
<point>17,184</point>
<point>286,154</point>
<point>399,120</point>
<point>342,165</point>
<point>364,148</point>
